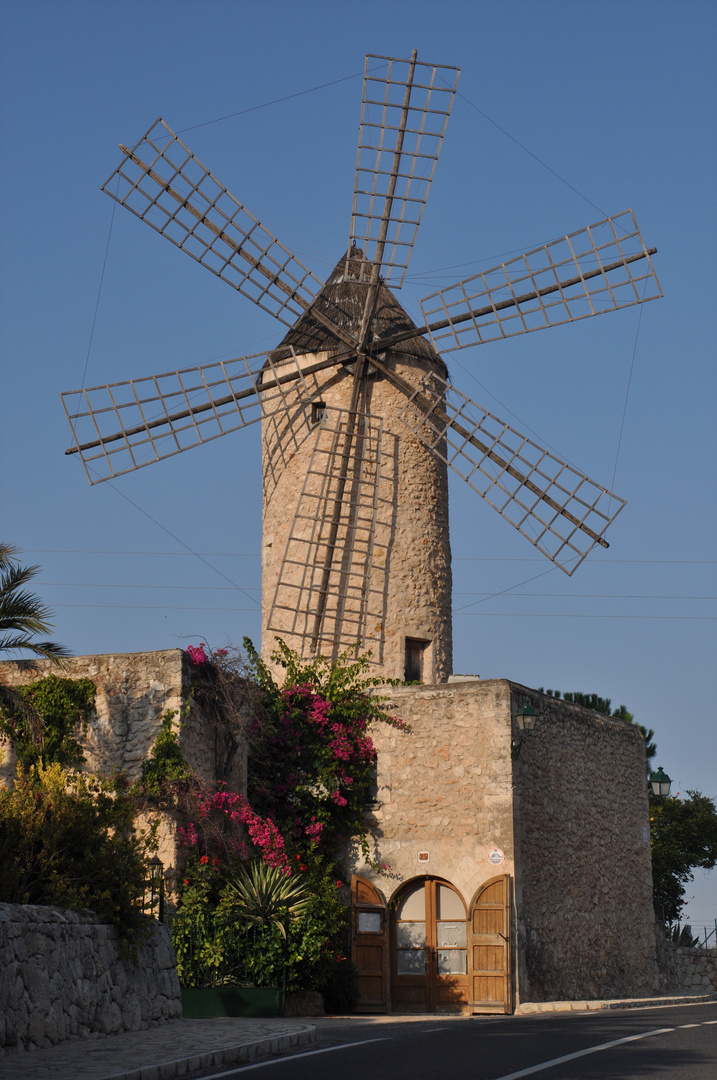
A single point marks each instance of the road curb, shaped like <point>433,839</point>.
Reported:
<point>531,1007</point>
<point>229,1055</point>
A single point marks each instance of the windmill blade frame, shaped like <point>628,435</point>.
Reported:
<point>589,272</point>
<point>404,114</point>
<point>169,188</point>
<point>124,426</point>
<point>298,606</point>
<point>560,510</point>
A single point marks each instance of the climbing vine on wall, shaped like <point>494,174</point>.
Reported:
<point>65,707</point>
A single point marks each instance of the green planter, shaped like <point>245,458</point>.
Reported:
<point>205,1002</point>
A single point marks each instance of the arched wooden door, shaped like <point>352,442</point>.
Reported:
<point>429,948</point>
<point>368,946</point>
<point>490,958</point>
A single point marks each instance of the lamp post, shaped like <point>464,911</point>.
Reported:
<point>660,783</point>
<point>525,719</point>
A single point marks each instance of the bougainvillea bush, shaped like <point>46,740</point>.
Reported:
<point>311,765</point>
<point>314,761</point>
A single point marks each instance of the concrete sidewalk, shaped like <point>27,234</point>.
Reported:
<point>162,1053</point>
<point>191,1046</point>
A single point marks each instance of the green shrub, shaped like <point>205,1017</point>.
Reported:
<point>69,840</point>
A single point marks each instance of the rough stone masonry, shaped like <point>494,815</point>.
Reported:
<point>64,976</point>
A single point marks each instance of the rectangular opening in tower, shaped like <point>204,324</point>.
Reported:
<point>415,653</point>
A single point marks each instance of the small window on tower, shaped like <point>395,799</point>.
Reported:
<point>318,412</point>
<point>415,652</point>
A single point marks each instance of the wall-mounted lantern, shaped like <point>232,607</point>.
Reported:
<point>525,719</point>
<point>660,783</point>
<point>156,888</point>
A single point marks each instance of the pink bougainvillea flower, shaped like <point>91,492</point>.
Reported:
<point>197,654</point>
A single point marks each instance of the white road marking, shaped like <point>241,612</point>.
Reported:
<point>690,1025</point>
<point>293,1057</point>
<point>582,1053</point>
<point>426,1030</point>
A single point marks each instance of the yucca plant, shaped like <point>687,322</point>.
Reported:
<point>264,894</point>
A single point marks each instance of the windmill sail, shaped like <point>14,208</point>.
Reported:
<point>164,184</point>
<point>404,113</point>
<point>330,589</point>
<point>601,268</point>
<point>124,426</point>
<point>559,510</point>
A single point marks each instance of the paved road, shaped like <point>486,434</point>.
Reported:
<point>674,1043</point>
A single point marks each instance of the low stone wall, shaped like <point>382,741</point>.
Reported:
<point>62,977</point>
<point>696,969</point>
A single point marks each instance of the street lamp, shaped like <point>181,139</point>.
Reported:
<point>525,719</point>
<point>660,783</point>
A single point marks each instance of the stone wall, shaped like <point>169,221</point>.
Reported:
<point>133,692</point>
<point>690,970</point>
<point>62,976</point>
<point>584,881</point>
<point>696,969</point>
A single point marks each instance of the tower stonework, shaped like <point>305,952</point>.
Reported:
<point>383,577</point>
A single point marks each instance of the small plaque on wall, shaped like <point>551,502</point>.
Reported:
<point>423,856</point>
<point>496,856</point>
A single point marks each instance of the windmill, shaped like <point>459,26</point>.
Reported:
<point>359,421</point>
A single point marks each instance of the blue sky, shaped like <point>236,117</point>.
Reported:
<point>570,111</point>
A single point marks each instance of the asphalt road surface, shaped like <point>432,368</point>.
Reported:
<point>675,1043</point>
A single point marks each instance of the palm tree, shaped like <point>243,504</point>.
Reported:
<point>22,616</point>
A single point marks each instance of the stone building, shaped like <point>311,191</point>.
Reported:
<point>505,868</point>
<point>512,868</point>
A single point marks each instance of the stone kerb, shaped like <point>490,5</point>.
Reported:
<point>63,976</point>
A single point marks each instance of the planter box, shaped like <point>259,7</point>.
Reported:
<point>205,1002</point>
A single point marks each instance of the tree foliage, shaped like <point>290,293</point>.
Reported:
<point>684,836</point>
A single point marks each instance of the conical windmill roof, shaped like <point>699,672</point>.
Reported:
<point>342,300</point>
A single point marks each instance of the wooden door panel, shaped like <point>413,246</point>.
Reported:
<point>488,957</point>
<point>490,975</point>
<point>369,945</point>
<point>488,989</point>
<point>488,920</point>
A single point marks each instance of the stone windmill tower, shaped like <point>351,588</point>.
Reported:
<point>359,422</point>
